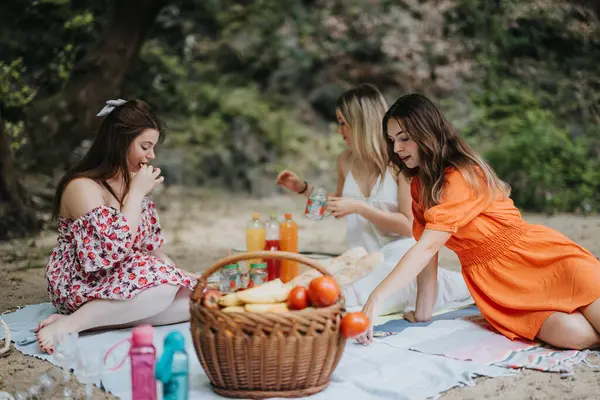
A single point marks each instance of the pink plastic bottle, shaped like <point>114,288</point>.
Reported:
<point>142,355</point>
<point>143,359</point>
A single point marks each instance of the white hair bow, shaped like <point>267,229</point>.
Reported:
<point>110,105</point>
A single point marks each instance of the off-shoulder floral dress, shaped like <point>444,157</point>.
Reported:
<point>96,259</point>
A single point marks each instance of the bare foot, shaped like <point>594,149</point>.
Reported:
<point>45,336</point>
<point>47,321</point>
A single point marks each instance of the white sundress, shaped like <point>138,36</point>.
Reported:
<point>452,290</point>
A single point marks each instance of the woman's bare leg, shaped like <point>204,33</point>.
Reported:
<point>592,314</point>
<point>178,311</point>
<point>100,313</point>
<point>569,331</point>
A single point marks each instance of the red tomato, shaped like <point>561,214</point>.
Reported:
<point>323,291</point>
<point>353,324</point>
<point>298,298</point>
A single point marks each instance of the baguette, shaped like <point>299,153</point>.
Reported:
<point>260,308</point>
<point>268,293</point>
<point>230,300</point>
<point>234,309</point>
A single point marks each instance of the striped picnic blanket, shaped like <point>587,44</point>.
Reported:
<point>473,339</point>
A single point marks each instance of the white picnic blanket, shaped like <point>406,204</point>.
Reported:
<point>385,370</point>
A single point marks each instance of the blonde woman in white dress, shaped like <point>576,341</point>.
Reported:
<point>376,203</point>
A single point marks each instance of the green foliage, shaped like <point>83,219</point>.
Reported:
<point>80,21</point>
<point>531,103</point>
<point>248,87</point>
<point>237,131</point>
<point>48,36</point>
<point>16,134</point>
<point>14,92</point>
<point>547,169</point>
<point>40,41</point>
<point>62,63</point>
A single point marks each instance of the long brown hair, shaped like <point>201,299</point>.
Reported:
<point>362,108</point>
<point>440,147</point>
<point>107,156</point>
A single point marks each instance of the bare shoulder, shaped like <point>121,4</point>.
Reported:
<point>83,184</point>
<point>81,196</point>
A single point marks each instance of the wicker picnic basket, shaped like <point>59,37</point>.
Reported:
<point>262,355</point>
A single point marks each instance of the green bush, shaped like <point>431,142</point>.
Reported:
<point>548,170</point>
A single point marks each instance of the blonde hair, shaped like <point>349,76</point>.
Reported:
<point>439,147</point>
<point>363,109</point>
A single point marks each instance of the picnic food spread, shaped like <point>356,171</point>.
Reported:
<point>272,332</point>
<point>275,338</point>
<point>275,296</point>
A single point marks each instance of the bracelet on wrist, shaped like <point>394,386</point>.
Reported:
<point>305,187</point>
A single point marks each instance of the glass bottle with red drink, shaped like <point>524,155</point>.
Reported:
<point>272,238</point>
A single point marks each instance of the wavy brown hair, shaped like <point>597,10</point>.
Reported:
<point>107,156</point>
<point>440,147</point>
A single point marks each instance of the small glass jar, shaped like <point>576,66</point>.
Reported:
<point>315,205</point>
<point>257,274</point>
<point>231,278</point>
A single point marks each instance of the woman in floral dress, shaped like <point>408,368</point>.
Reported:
<point>108,268</point>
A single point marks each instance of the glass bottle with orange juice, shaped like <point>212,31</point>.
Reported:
<point>288,242</point>
<point>255,236</point>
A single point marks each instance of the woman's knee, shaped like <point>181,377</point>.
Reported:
<point>164,293</point>
<point>571,331</point>
<point>581,338</point>
<point>183,294</point>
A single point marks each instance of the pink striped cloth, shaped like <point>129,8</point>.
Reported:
<point>479,343</point>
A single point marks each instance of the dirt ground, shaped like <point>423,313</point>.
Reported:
<point>202,226</point>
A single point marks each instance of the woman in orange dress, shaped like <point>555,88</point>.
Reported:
<point>529,281</point>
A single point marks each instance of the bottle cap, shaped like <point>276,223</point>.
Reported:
<point>258,265</point>
<point>255,216</point>
<point>142,335</point>
<point>273,215</point>
<point>288,215</point>
<point>175,340</point>
<point>230,266</point>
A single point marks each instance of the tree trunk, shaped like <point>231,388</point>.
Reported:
<point>59,123</point>
<point>17,217</point>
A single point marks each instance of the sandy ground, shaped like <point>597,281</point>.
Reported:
<point>202,226</point>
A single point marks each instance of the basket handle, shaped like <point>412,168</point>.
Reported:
<point>264,254</point>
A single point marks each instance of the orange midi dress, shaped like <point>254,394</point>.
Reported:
<point>518,273</point>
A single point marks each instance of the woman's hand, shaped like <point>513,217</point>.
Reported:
<point>290,181</point>
<point>145,180</point>
<point>343,206</point>
<point>371,310</point>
